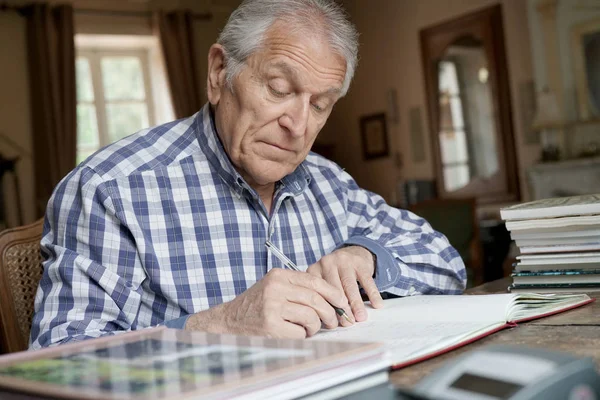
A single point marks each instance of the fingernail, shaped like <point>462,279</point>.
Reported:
<point>360,315</point>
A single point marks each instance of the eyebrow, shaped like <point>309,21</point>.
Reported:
<point>289,70</point>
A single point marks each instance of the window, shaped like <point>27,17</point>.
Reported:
<point>452,139</point>
<point>117,79</point>
<point>469,103</point>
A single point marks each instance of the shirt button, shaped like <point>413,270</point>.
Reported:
<point>412,291</point>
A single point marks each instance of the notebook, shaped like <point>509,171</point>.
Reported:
<point>564,267</point>
<point>566,258</point>
<point>557,277</point>
<point>588,204</point>
<point>163,363</point>
<point>558,248</point>
<point>559,224</point>
<point>420,327</point>
<point>555,288</point>
<point>585,240</point>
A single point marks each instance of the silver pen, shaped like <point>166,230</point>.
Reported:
<point>290,264</point>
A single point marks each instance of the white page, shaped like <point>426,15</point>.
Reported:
<point>581,232</point>
<point>532,304</point>
<point>418,325</point>
<point>559,248</point>
<point>557,258</point>
<point>541,224</point>
<point>451,308</point>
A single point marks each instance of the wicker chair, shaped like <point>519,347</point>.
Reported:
<point>20,273</point>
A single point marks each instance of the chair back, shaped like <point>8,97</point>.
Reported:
<point>457,220</point>
<point>20,274</point>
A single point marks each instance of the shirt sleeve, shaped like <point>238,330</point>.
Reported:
<point>412,258</point>
<point>91,284</point>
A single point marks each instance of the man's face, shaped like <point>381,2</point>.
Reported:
<point>279,103</point>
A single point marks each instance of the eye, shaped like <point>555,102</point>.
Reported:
<point>277,93</point>
<point>318,107</point>
<point>278,87</point>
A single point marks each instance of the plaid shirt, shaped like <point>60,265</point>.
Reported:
<point>160,225</point>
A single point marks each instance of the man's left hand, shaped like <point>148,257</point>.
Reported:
<point>345,268</point>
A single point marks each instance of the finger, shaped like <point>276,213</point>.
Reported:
<point>348,278</point>
<point>332,276</point>
<point>302,316</point>
<point>287,330</point>
<point>370,288</point>
<point>315,269</point>
<point>323,311</point>
<point>330,293</point>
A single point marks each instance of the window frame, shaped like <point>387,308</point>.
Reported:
<point>454,130</point>
<point>486,26</point>
<point>94,55</point>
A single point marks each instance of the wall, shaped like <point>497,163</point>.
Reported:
<point>14,81</point>
<point>206,34</point>
<point>15,114</point>
<point>391,58</point>
<point>568,14</point>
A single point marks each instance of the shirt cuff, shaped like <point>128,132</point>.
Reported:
<point>387,271</point>
<point>178,323</point>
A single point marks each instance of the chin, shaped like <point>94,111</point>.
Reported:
<point>274,173</point>
<point>269,179</point>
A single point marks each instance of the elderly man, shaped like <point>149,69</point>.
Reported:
<point>169,225</point>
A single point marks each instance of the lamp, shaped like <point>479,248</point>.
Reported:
<point>548,120</point>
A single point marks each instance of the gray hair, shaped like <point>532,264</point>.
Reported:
<point>245,30</point>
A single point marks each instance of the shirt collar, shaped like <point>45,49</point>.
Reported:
<point>206,133</point>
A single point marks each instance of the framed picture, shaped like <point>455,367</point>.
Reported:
<point>585,42</point>
<point>373,131</point>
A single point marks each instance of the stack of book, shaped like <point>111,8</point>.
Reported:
<point>559,242</point>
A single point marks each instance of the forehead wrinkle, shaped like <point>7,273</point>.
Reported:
<point>327,73</point>
<point>298,54</point>
<point>286,68</point>
<point>290,70</point>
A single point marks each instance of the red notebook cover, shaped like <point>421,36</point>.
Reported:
<point>510,324</point>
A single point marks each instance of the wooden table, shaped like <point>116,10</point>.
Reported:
<point>576,332</point>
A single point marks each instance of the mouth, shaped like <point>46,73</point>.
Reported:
<point>279,147</point>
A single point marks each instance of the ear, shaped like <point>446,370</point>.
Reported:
<point>216,73</point>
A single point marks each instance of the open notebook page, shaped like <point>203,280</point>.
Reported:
<point>419,325</point>
<point>416,326</point>
<point>528,305</point>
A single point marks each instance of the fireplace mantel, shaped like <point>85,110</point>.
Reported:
<point>564,178</point>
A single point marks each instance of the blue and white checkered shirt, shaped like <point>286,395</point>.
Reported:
<point>160,225</point>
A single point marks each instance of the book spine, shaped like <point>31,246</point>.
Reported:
<point>554,285</point>
<point>558,272</point>
<point>550,212</point>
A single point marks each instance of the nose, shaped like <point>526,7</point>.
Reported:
<point>295,119</point>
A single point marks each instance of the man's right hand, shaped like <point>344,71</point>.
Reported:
<point>288,304</point>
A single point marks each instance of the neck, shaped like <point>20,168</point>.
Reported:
<point>267,199</point>
<point>265,192</point>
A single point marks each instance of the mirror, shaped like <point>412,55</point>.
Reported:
<point>467,133</point>
<point>469,108</point>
